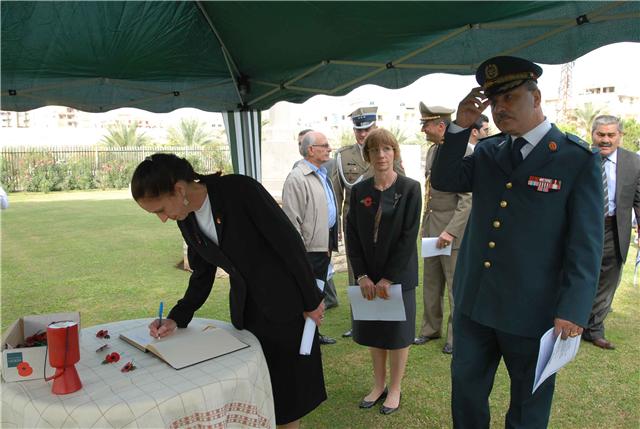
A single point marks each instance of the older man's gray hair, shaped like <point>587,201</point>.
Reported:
<point>308,140</point>
<point>607,120</point>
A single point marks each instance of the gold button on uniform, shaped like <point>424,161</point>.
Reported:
<point>509,185</point>
<point>503,204</point>
<point>487,264</point>
<point>496,224</point>
<point>492,244</point>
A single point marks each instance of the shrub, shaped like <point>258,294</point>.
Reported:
<point>115,174</point>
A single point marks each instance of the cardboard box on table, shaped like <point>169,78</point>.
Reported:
<point>34,357</point>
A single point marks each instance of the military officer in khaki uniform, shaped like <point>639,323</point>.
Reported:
<point>445,217</point>
<point>351,168</point>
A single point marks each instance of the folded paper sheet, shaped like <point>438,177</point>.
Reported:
<point>391,309</point>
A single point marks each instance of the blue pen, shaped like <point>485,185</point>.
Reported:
<point>160,314</point>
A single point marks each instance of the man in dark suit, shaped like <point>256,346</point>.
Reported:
<point>622,193</point>
<point>529,260</point>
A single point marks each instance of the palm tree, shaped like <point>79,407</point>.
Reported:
<point>584,118</point>
<point>401,138</point>
<point>190,132</point>
<point>120,134</point>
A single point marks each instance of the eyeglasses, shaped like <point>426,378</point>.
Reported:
<point>321,145</point>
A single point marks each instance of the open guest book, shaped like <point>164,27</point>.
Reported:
<point>186,346</point>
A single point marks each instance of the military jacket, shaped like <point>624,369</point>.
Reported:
<point>533,243</point>
<point>444,211</point>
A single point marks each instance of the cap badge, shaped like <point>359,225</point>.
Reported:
<point>491,71</point>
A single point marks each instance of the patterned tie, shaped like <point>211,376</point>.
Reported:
<point>516,151</point>
<point>605,186</point>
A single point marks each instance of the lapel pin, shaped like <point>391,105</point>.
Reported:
<point>218,221</point>
<point>553,146</point>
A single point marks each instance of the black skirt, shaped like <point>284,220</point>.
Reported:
<point>385,334</point>
<point>297,381</point>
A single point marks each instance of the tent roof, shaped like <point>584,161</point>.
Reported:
<point>223,56</point>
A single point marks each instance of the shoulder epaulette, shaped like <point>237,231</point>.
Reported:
<point>577,140</point>
<point>343,148</point>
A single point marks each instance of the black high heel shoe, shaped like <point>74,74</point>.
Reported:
<point>388,410</point>
<point>369,404</point>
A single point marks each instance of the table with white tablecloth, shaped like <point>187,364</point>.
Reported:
<point>233,390</point>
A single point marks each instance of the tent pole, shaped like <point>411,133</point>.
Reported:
<point>233,69</point>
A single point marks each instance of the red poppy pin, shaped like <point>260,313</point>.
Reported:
<point>103,333</point>
<point>553,146</point>
<point>111,358</point>
<point>24,369</point>
<point>367,201</point>
<point>129,366</point>
<point>36,340</point>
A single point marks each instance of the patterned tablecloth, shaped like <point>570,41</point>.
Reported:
<point>230,391</point>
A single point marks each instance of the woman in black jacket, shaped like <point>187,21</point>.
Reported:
<point>232,222</point>
<point>382,229</point>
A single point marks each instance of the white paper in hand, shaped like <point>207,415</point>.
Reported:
<point>554,354</point>
<point>391,309</point>
<point>429,248</point>
<point>309,328</point>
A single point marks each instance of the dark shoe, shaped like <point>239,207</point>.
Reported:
<point>369,404</point>
<point>347,334</point>
<point>447,349</point>
<point>324,340</point>
<point>418,341</point>
<point>388,410</point>
<point>604,344</point>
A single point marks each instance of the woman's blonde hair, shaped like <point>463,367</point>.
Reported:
<point>380,137</point>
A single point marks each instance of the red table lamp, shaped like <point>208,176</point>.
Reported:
<point>64,353</point>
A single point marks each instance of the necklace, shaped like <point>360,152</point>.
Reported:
<point>383,188</point>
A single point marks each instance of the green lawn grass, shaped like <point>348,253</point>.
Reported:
<point>111,261</point>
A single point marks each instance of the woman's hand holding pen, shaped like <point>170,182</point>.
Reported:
<point>317,315</point>
<point>159,331</point>
<point>367,288</point>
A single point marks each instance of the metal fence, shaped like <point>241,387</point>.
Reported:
<point>19,162</point>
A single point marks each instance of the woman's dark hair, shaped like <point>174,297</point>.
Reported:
<point>158,174</point>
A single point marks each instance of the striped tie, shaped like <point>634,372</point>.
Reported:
<point>605,186</point>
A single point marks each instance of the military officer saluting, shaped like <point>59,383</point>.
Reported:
<point>351,168</point>
<point>530,258</point>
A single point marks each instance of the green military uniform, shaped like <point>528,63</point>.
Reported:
<point>531,252</point>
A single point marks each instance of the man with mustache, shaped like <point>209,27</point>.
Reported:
<point>622,193</point>
<point>533,244</point>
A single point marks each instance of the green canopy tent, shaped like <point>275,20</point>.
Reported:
<point>242,57</point>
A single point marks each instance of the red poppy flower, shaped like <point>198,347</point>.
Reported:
<point>24,369</point>
<point>103,333</point>
<point>111,358</point>
<point>367,201</point>
<point>129,366</point>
